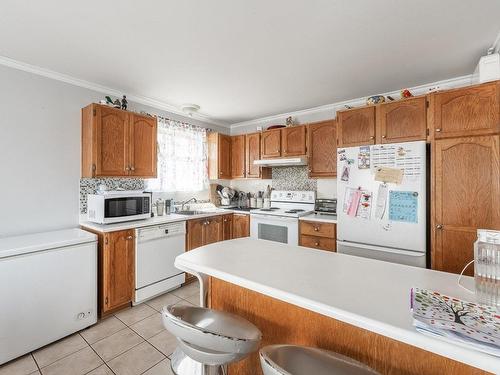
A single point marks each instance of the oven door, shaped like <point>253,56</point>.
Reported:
<point>275,228</point>
<point>125,208</point>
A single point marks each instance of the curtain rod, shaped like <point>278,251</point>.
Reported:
<point>185,123</point>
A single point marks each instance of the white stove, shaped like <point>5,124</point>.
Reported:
<point>280,222</point>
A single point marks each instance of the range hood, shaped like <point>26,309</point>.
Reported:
<point>281,162</point>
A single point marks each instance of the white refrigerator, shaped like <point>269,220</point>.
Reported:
<point>381,209</point>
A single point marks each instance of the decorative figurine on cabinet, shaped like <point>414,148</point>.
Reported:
<point>124,103</point>
<point>117,104</point>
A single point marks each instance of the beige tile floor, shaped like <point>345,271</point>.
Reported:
<point>131,342</point>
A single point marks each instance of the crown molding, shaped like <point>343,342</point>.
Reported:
<point>334,107</point>
<point>140,99</point>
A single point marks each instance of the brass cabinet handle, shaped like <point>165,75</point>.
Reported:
<point>316,229</point>
<point>438,130</point>
<point>383,136</point>
<point>129,237</point>
<point>372,137</point>
<point>127,168</point>
<point>439,226</point>
<point>316,244</point>
<point>277,150</point>
<point>132,168</point>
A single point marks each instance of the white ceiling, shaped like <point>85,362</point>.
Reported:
<point>241,60</point>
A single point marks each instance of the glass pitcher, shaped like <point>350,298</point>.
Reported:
<point>487,267</point>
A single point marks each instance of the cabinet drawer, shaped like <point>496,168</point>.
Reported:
<point>316,242</point>
<point>314,228</point>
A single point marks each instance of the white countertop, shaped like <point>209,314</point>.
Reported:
<point>157,220</point>
<point>332,219</point>
<point>30,243</point>
<point>369,294</point>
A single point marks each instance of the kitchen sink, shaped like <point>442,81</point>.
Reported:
<point>189,212</point>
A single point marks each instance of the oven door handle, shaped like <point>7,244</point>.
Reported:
<point>274,217</point>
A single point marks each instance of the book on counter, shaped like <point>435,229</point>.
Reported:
<point>457,321</point>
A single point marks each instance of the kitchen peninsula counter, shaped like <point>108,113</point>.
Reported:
<point>367,298</point>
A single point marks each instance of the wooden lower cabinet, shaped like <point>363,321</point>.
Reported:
<point>318,235</point>
<point>116,270</point>
<point>227,227</point>
<point>465,197</point>
<point>204,231</point>
<point>241,225</point>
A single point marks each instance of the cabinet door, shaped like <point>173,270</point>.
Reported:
<point>466,111</point>
<point>238,156</point>
<point>293,141</point>
<point>241,225</point>
<point>213,230</point>
<point>143,140</point>
<point>118,269</point>
<point>322,149</point>
<point>356,127</point>
<point>402,121</point>
<point>195,234</point>
<point>227,227</point>
<point>466,197</point>
<point>271,144</point>
<point>112,138</point>
<point>224,156</point>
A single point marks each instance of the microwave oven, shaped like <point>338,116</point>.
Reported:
<point>118,206</point>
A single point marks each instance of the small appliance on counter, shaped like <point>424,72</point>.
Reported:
<point>118,206</point>
<point>326,207</point>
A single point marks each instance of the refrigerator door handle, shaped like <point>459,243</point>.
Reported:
<point>379,248</point>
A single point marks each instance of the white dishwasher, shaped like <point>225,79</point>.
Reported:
<point>156,249</point>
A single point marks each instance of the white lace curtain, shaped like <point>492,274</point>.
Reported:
<point>182,157</point>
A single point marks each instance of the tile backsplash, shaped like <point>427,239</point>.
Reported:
<point>90,185</point>
<point>289,178</point>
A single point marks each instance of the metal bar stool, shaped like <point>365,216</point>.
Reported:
<point>208,339</point>
<point>301,360</point>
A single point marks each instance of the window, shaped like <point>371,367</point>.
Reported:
<point>182,158</point>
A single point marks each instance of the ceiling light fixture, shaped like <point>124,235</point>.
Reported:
<point>190,108</point>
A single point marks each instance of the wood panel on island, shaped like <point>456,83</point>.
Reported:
<point>117,143</point>
<point>281,322</point>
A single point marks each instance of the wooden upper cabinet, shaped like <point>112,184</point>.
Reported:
<point>241,225</point>
<point>117,143</point>
<point>227,227</point>
<point>402,121</point>
<point>219,156</point>
<point>271,144</point>
<point>252,152</point>
<point>143,146</point>
<point>465,197</point>
<point>118,269</point>
<point>213,230</point>
<point>293,141</point>
<point>465,111</point>
<point>356,127</point>
<point>238,165</point>
<point>322,148</point>
<point>111,136</point>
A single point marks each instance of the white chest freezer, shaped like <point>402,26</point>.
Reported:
<point>48,289</point>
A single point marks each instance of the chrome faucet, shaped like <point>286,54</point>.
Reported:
<point>186,202</point>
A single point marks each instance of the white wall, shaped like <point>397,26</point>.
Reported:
<point>329,111</point>
<point>40,151</point>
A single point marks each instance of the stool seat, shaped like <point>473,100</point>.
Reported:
<point>208,339</point>
<point>300,360</point>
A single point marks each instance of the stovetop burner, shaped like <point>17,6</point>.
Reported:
<point>269,209</point>
<point>294,211</point>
